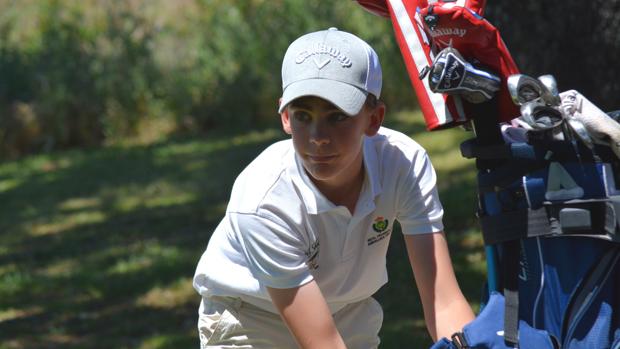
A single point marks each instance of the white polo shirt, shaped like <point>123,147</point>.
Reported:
<point>280,231</point>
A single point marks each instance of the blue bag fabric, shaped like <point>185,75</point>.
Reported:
<point>444,343</point>
<point>555,295</point>
<point>486,331</point>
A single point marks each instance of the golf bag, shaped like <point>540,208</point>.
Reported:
<point>549,219</point>
<point>548,198</point>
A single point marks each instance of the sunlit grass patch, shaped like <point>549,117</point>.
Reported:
<point>222,143</point>
<point>442,140</point>
<point>443,146</point>
<point>170,296</point>
<point>157,194</point>
<point>56,164</point>
<point>74,204</point>
<point>408,121</point>
<point>9,183</point>
<point>256,137</point>
<point>131,264</point>
<point>66,222</point>
<point>148,131</point>
<point>15,173</point>
<point>61,268</point>
<point>471,241</point>
<point>15,281</point>
<point>451,160</point>
<point>477,261</point>
<point>13,313</point>
<point>143,256</point>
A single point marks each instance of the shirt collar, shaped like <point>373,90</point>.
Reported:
<point>314,201</point>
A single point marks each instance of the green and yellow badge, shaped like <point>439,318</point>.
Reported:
<point>380,224</point>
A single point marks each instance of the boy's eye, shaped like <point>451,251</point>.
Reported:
<point>300,115</point>
<point>339,117</point>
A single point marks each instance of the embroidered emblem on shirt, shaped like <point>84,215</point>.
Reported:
<point>380,226</point>
<point>313,253</point>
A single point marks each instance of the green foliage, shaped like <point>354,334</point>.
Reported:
<point>86,72</point>
<point>80,75</point>
<point>240,51</point>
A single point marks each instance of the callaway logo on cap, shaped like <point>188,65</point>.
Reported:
<point>334,65</point>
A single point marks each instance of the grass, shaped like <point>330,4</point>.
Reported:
<point>98,247</point>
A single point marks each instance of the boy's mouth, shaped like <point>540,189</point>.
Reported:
<point>321,158</point>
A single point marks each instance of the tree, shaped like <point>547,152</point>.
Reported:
<point>576,41</point>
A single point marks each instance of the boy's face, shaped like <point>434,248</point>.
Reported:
<point>328,141</point>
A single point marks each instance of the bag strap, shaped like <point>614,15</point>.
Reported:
<point>510,252</point>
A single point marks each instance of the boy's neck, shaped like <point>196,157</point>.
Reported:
<point>345,194</point>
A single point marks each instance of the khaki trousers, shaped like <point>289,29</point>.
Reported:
<point>225,322</point>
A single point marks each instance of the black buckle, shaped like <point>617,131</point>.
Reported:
<point>459,341</point>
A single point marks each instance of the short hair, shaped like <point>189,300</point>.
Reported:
<point>371,101</point>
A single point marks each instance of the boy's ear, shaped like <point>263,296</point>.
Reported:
<point>286,121</point>
<point>376,119</point>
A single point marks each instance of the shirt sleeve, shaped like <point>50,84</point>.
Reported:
<point>275,253</point>
<point>420,210</point>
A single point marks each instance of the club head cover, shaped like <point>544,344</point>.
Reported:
<point>450,73</point>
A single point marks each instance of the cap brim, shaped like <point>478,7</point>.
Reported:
<point>348,98</point>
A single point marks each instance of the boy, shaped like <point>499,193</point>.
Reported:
<point>302,247</point>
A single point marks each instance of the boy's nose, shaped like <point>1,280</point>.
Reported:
<point>318,135</point>
<point>319,141</point>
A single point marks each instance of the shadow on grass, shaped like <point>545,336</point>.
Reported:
<point>97,248</point>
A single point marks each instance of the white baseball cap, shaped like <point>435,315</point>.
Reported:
<point>334,65</point>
